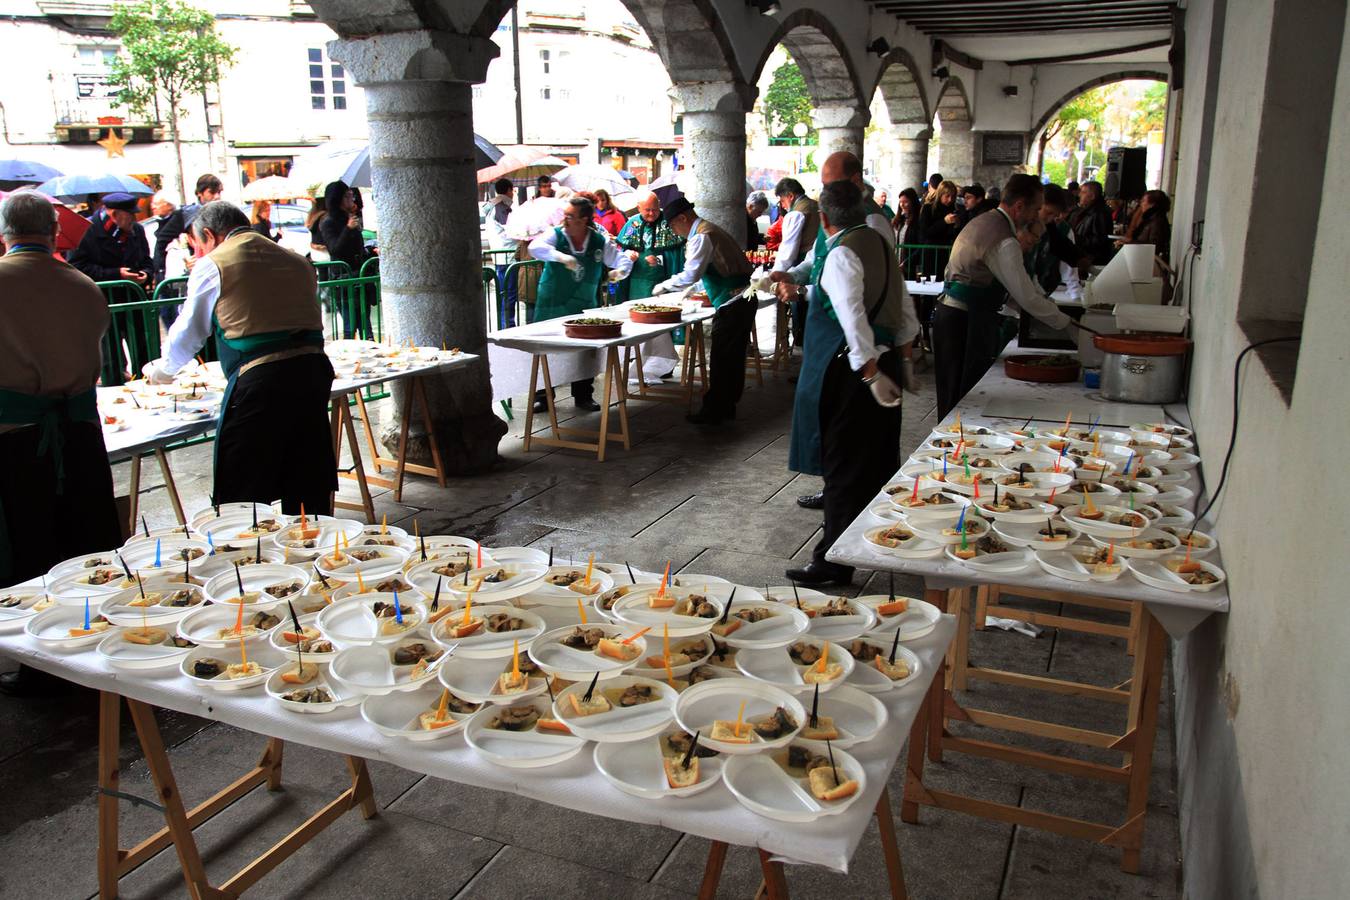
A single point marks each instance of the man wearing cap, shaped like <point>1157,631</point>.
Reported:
<point>260,302</point>
<point>56,490</point>
<point>114,248</point>
<point>716,258</point>
<point>984,270</point>
<point>846,412</point>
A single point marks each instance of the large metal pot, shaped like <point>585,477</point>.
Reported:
<point>1142,368</point>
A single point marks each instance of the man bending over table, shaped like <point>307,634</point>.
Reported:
<point>260,301</point>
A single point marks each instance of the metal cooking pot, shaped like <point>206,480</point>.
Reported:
<point>1142,368</point>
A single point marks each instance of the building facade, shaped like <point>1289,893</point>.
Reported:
<point>591,86</point>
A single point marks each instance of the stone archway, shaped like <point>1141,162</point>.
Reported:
<point>839,110</point>
<point>1112,78</point>
<point>902,160</point>
<point>956,142</point>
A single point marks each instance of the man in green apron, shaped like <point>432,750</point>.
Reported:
<point>260,302</point>
<point>56,490</point>
<point>795,284</point>
<point>984,270</point>
<point>575,256</point>
<point>715,258</point>
<point>846,412</point>
<point>656,251</point>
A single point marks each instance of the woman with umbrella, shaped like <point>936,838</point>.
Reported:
<point>575,255</point>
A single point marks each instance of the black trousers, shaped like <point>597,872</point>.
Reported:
<point>965,345</point>
<point>731,326</point>
<point>47,524</point>
<point>859,445</point>
<point>275,441</point>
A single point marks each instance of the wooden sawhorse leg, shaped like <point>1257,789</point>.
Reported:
<point>613,384</point>
<point>114,862</point>
<point>340,424</point>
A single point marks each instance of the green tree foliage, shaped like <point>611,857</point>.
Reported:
<point>171,52</point>
<point>1090,105</point>
<point>787,102</point>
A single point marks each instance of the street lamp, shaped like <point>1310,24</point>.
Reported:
<point>799,131</point>
<point>1081,152</point>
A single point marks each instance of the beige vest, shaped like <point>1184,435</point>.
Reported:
<point>878,259</point>
<point>52,320</point>
<point>810,210</point>
<point>264,288</point>
<point>728,257</point>
<point>981,234</point>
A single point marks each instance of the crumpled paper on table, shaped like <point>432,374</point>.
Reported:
<point>1013,625</point>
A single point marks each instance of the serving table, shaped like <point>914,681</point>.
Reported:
<point>575,784</point>
<point>998,402</point>
<point>153,435</point>
<point>542,339</point>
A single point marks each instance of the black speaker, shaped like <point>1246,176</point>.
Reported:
<point>1125,172</point>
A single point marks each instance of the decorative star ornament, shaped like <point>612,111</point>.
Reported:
<point>114,143</point>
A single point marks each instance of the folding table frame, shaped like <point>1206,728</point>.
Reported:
<point>693,366</point>
<point>580,438</point>
<point>1140,695</point>
<point>114,861</point>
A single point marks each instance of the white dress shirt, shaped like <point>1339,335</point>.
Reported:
<point>697,255</point>
<point>193,325</point>
<point>1005,261</point>
<point>842,280</point>
<point>542,248</point>
<point>788,249</point>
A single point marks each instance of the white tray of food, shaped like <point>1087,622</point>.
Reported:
<point>303,686</point>
<point>383,669</point>
<point>227,669</point>
<point>371,619</point>
<point>143,647</point>
<point>739,715</point>
<point>655,768</point>
<point>155,602</point>
<point>264,585</point>
<point>874,671</point>
<point>752,624</point>
<point>912,617</point>
<point>686,612</point>
<point>513,737</point>
<point>781,785</point>
<point>627,708</point>
<point>429,713</point>
<point>576,652</point>
<point>499,680</point>
<point>845,717</point>
<point>491,632</point>
<point>222,626</point>
<point>64,627</point>
<point>800,666</point>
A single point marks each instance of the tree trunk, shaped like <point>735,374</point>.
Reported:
<point>177,146</point>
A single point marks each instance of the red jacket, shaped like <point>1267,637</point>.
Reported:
<point>611,220</point>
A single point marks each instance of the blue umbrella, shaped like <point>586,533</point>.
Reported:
<point>77,187</point>
<point>23,171</point>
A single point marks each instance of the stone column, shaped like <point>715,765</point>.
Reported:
<point>914,156</point>
<point>714,145</point>
<point>418,88</point>
<point>839,128</point>
<point>956,152</point>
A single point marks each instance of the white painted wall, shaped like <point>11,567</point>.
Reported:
<point>1262,728</point>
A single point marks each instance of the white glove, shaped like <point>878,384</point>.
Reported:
<point>763,283</point>
<point>886,391</point>
<point>154,373</point>
<point>662,288</point>
<point>572,263</point>
<point>908,379</point>
<point>615,276</point>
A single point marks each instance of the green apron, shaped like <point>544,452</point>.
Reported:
<point>824,341</point>
<point>722,288</point>
<point>235,353</point>
<point>49,414</point>
<point>987,329</point>
<point>563,292</point>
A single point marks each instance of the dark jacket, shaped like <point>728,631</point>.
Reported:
<point>1092,232</point>
<point>933,229</point>
<point>343,243</point>
<point>104,250</point>
<point>753,238</point>
<point>1152,228</point>
<point>174,224</point>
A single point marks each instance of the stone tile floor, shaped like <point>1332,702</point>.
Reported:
<point>719,502</point>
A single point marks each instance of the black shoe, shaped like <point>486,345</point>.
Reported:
<point>669,375</point>
<point>540,406</point>
<point>812,501</point>
<point>819,574</point>
<point>704,417</point>
<point>585,404</point>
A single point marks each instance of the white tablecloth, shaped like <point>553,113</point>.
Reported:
<point>575,784</point>
<point>1177,612</point>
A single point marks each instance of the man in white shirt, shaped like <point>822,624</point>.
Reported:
<point>495,213</point>
<point>846,413</point>
<point>716,259</point>
<point>985,269</point>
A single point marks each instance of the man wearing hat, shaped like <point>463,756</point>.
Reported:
<point>258,299</point>
<point>114,248</point>
<point>56,490</point>
<point>718,260</point>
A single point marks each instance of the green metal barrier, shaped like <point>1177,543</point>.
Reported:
<point>370,268</point>
<point>499,257</point>
<point>132,339</point>
<point>923,259</point>
<point>332,270</point>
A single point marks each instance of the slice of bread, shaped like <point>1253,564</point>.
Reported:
<point>826,786</point>
<point>677,776</point>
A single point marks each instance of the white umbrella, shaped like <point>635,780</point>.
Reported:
<point>591,176</point>
<point>274,187</point>
<point>533,217</point>
<point>671,185</point>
